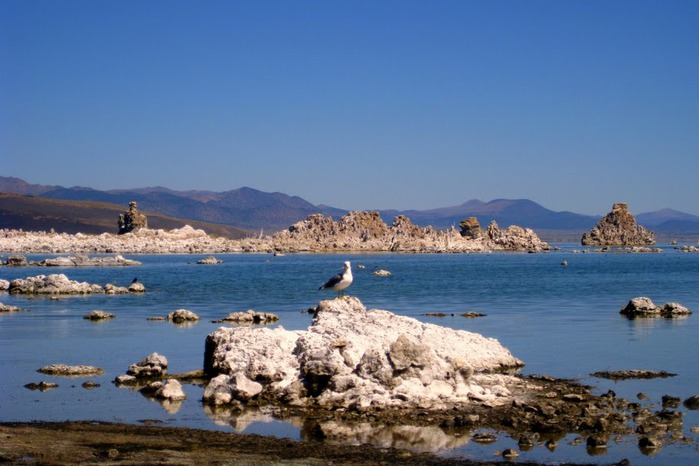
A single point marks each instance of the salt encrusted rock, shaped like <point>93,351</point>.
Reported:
<point>70,371</point>
<point>248,317</point>
<point>58,284</point>
<point>354,358</point>
<point>356,231</point>
<point>4,285</point>
<point>85,261</point>
<point>692,402</point>
<point>618,228</point>
<point>209,260</point>
<point>644,307</point>
<point>182,315</point>
<point>8,308</point>
<point>136,287</point>
<point>153,365</point>
<point>99,315</point>
<point>170,390</point>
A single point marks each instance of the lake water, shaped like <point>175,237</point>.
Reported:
<point>560,320</point>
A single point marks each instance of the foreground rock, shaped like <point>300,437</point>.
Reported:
<point>618,228</point>
<point>354,358</point>
<point>356,231</point>
<point>644,307</point>
<point>54,284</point>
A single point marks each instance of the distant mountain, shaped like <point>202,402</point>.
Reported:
<point>250,209</point>
<point>505,212</point>
<point>35,213</point>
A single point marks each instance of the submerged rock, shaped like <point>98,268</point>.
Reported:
<point>70,371</point>
<point>7,308</point>
<point>248,317</point>
<point>99,315</point>
<point>632,374</point>
<point>618,228</point>
<point>209,260</point>
<point>182,315</point>
<point>351,357</point>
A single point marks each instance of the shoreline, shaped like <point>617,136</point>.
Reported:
<point>91,442</point>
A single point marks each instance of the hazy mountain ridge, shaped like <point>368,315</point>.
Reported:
<point>250,209</point>
<point>36,213</point>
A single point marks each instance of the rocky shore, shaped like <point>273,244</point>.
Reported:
<point>354,232</point>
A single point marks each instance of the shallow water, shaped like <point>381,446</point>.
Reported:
<point>560,320</point>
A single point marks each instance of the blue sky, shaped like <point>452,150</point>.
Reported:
<point>358,104</point>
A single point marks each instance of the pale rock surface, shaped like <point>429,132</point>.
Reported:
<point>355,231</point>
<point>71,371</point>
<point>59,284</point>
<point>182,315</point>
<point>154,365</point>
<point>209,260</point>
<point>644,307</point>
<point>354,358</point>
<point>171,390</point>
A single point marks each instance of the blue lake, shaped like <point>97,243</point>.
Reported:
<point>560,320</point>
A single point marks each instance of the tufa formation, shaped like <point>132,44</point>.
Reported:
<point>132,219</point>
<point>618,228</point>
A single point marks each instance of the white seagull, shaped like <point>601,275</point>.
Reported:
<point>340,281</point>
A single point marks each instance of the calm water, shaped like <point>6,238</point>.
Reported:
<point>560,320</point>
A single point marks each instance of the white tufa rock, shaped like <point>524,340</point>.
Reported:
<point>354,358</point>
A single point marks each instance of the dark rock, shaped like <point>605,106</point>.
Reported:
<point>692,402</point>
<point>671,401</point>
<point>618,228</point>
<point>131,220</point>
<point>16,261</point>
<point>632,374</point>
<point>470,228</point>
<point>249,317</point>
<point>98,315</point>
<point>41,386</point>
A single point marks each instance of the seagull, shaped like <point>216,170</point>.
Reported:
<point>340,281</point>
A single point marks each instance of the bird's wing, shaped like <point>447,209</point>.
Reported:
<point>334,280</point>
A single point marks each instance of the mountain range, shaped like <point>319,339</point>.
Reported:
<point>250,211</point>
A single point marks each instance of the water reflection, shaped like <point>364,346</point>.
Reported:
<point>414,438</point>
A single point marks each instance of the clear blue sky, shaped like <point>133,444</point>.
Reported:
<point>359,104</point>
